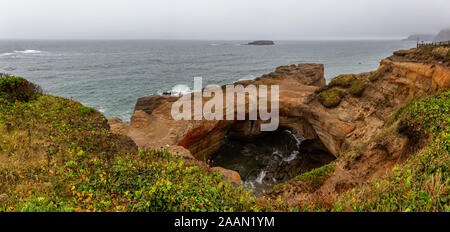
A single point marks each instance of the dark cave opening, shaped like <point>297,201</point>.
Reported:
<point>271,158</point>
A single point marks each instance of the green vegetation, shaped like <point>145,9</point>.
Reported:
<point>379,73</point>
<point>17,88</point>
<point>421,183</point>
<point>315,178</point>
<point>331,97</point>
<point>84,110</point>
<point>357,87</point>
<point>57,155</point>
<point>344,80</point>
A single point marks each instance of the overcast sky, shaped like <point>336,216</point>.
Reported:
<point>220,19</point>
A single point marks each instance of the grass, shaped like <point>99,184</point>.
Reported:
<point>331,97</point>
<point>344,80</point>
<point>357,88</point>
<point>379,73</point>
<point>314,179</point>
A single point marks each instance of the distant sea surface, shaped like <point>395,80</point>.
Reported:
<point>111,75</point>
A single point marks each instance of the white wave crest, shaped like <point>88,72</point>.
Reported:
<point>29,51</point>
<point>247,78</point>
<point>181,89</point>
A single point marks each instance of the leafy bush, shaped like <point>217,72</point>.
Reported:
<point>54,159</point>
<point>17,88</point>
<point>40,204</point>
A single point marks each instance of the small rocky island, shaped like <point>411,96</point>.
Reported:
<point>261,42</point>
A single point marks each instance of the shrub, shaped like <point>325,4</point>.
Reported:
<point>331,97</point>
<point>54,159</point>
<point>41,204</point>
<point>17,88</point>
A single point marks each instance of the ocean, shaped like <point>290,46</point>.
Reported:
<point>111,75</point>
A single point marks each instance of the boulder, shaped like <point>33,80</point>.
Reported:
<point>230,175</point>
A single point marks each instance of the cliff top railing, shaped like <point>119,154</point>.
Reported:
<point>443,43</point>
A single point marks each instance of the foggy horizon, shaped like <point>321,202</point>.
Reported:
<point>221,20</point>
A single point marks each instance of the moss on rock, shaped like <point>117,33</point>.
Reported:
<point>344,80</point>
<point>315,178</point>
<point>331,97</point>
<point>357,87</point>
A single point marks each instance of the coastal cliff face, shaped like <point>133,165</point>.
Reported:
<point>385,135</point>
<point>346,118</point>
<point>443,35</point>
<point>152,125</point>
<point>377,143</point>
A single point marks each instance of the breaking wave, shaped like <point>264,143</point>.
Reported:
<point>28,51</point>
<point>181,89</point>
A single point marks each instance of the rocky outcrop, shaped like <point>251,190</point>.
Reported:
<point>153,127</point>
<point>354,120</point>
<point>149,103</point>
<point>372,150</point>
<point>261,42</point>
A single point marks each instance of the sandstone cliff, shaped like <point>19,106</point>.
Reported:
<point>350,112</point>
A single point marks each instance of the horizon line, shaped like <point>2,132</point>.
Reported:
<point>210,39</point>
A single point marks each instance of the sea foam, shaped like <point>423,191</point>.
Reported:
<point>28,51</point>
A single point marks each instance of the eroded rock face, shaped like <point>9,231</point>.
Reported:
<point>153,127</point>
<point>409,74</point>
<point>149,103</point>
<point>356,120</point>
